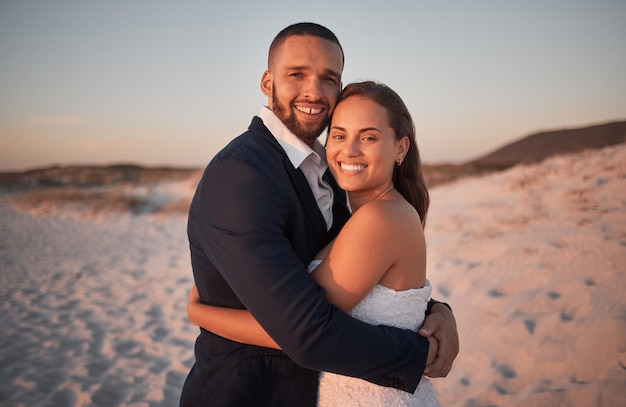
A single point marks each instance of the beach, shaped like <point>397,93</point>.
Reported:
<point>532,260</point>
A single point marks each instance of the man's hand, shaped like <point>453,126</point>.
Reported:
<point>441,324</point>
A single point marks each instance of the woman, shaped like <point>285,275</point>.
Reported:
<point>376,267</point>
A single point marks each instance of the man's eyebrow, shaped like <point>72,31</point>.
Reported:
<point>333,73</point>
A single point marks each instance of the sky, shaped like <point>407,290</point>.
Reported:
<point>164,83</point>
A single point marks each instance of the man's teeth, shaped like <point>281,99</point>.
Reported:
<point>352,167</point>
<point>309,110</point>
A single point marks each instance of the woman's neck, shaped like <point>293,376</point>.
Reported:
<point>357,199</point>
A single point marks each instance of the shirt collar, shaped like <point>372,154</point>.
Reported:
<point>296,149</point>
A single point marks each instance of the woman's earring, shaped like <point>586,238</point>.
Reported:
<point>399,163</point>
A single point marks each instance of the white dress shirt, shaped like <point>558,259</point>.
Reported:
<point>311,161</point>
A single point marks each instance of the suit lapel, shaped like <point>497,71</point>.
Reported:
<point>298,180</point>
<point>302,188</point>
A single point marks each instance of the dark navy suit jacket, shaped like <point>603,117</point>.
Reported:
<point>253,227</point>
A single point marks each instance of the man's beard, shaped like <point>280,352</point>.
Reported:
<point>305,133</point>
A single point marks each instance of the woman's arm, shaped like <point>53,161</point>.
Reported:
<point>240,326</point>
<point>362,253</point>
<point>355,264</point>
<point>346,283</point>
<point>234,324</point>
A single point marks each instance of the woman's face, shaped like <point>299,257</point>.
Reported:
<point>361,147</point>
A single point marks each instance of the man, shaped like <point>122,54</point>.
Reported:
<point>263,208</point>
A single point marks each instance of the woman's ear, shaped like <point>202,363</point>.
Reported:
<point>402,147</point>
<point>267,81</point>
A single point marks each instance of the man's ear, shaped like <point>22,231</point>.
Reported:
<point>267,81</point>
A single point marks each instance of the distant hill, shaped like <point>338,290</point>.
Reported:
<point>88,176</point>
<point>539,146</point>
<point>531,149</point>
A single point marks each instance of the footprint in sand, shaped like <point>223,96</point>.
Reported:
<point>553,295</point>
<point>506,371</point>
<point>565,317</point>
<point>495,293</point>
<point>556,244</point>
<point>543,386</point>
<point>530,326</point>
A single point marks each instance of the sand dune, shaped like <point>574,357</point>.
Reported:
<point>532,259</point>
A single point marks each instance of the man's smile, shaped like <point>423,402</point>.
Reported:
<point>309,110</point>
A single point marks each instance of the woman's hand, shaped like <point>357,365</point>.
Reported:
<point>193,301</point>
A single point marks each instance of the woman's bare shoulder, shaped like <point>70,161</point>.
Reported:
<point>386,212</point>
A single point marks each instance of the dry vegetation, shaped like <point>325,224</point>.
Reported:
<point>91,191</point>
<point>94,190</point>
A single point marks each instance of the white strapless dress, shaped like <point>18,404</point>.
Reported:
<point>382,306</point>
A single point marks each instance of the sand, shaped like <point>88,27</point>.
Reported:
<point>93,312</point>
<point>532,260</point>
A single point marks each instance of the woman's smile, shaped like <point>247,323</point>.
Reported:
<point>351,168</point>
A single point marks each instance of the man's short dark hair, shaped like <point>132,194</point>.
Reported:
<point>303,29</point>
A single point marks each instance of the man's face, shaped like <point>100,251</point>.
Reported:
<point>303,83</point>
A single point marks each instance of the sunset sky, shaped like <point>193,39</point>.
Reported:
<point>170,83</point>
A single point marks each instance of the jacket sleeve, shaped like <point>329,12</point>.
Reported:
<point>242,222</point>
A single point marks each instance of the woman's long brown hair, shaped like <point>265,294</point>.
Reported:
<point>408,178</point>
